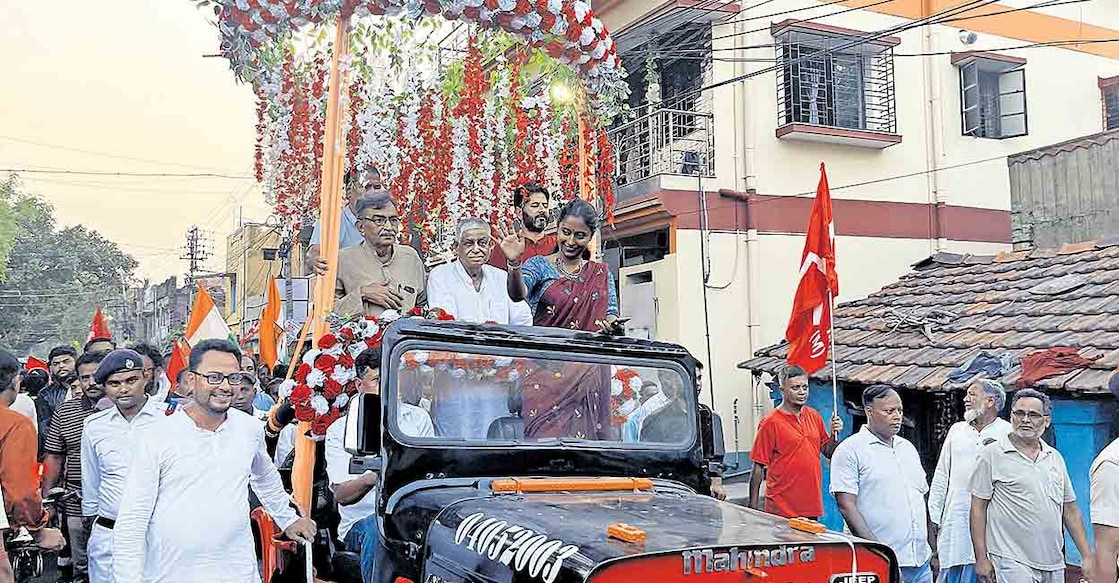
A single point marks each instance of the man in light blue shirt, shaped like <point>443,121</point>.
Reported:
<point>880,485</point>
<point>348,233</point>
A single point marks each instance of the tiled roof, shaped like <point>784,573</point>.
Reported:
<point>915,332</point>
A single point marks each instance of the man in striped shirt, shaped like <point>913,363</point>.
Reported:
<point>63,459</point>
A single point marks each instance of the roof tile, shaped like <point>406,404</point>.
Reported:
<point>991,307</point>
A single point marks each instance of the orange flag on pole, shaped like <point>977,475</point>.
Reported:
<point>99,328</point>
<point>269,330</point>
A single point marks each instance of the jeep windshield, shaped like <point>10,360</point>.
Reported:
<point>456,397</point>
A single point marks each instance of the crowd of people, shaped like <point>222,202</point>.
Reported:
<point>168,472</point>
<point>1000,499</point>
<point>150,473</point>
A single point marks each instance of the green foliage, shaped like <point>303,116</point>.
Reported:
<point>55,277</point>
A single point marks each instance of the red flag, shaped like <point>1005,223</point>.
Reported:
<point>99,328</point>
<point>809,327</point>
<point>34,363</point>
<point>178,362</point>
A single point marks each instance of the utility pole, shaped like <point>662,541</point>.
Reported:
<point>196,251</point>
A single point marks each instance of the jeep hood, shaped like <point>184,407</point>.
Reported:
<point>563,537</point>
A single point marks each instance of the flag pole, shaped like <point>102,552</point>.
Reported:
<point>831,340</point>
<point>334,151</point>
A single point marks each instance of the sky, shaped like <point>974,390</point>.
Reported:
<point>124,86</point>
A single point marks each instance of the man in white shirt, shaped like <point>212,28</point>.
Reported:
<point>108,441</point>
<point>1105,504</point>
<point>357,495</point>
<point>468,288</point>
<point>878,481</point>
<point>184,516</point>
<point>950,497</point>
<point>1022,502</point>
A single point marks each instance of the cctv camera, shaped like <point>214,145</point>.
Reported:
<point>968,37</point>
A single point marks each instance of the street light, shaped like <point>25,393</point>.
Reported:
<point>561,93</point>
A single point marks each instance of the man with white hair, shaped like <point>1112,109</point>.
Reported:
<point>468,288</point>
<point>950,496</point>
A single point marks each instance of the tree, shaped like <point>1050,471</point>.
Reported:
<point>55,277</point>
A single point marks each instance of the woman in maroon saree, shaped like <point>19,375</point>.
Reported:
<point>568,400</point>
<point>566,289</point>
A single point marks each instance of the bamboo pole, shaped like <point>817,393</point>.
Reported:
<point>330,211</point>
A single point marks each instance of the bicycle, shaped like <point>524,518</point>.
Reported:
<point>24,552</point>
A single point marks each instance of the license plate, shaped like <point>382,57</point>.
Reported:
<point>855,578</point>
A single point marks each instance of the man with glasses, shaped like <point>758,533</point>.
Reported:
<point>1021,496</point>
<point>109,438</point>
<point>355,183</point>
<point>184,508</point>
<point>379,274</point>
<point>63,455</point>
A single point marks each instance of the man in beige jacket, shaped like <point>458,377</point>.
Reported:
<point>379,274</point>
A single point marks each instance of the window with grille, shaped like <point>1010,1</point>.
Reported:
<point>831,81</point>
<point>1111,107</point>
<point>993,100</point>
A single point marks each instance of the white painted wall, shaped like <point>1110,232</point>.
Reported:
<point>865,265</point>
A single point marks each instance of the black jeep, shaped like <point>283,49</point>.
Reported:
<point>529,474</point>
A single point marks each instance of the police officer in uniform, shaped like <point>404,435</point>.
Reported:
<point>108,440</point>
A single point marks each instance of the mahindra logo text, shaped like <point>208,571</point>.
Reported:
<point>709,561</point>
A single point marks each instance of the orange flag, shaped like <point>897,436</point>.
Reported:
<point>178,362</point>
<point>269,331</point>
<point>98,328</point>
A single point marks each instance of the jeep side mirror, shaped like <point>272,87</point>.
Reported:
<point>363,426</point>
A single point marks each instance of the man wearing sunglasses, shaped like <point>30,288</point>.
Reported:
<point>379,274</point>
<point>184,503</point>
<point>1022,500</point>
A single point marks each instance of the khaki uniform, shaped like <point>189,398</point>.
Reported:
<point>359,266</point>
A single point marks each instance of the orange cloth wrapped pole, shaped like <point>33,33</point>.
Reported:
<point>330,215</point>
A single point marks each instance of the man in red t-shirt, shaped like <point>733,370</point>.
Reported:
<point>787,452</point>
<point>535,204</point>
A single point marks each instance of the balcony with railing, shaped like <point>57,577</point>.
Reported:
<point>835,85</point>
<point>672,138</point>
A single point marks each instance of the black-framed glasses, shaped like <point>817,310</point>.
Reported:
<point>216,378</point>
<point>380,221</point>
<point>1031,415</point>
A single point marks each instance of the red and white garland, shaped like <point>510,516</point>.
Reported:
<point>567,29</point>
<point>326,377</point>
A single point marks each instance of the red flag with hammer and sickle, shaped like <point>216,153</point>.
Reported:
<point>809,330</point>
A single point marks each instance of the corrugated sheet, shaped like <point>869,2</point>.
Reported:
<point>1066,192</point>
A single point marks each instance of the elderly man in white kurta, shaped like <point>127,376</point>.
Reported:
<point>468,288</point>
<point>184,516</point>
<point>950,496</point>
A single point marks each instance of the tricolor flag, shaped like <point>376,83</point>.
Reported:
<point>206,321</point>
<point>809,330</point>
